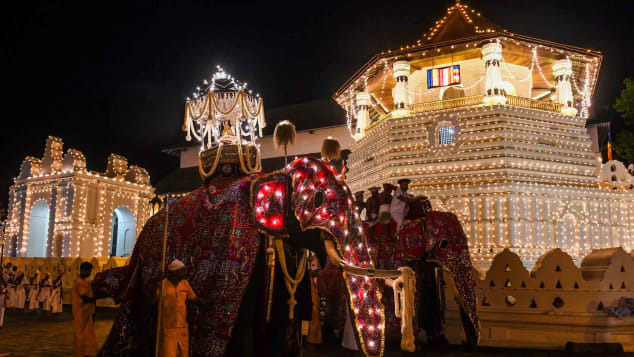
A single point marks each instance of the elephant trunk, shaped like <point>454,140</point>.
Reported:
<point>465,294</point>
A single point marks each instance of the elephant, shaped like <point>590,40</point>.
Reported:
<point>225,231</point>
<point>427,239</point>
<point>438,238</point>
<point>221,231</point>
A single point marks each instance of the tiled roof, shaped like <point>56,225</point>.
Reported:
<point>459,22</point>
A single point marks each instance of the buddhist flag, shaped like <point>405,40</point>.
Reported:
<point>441,77</point>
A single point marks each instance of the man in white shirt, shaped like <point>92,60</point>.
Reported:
<point>400,201</point>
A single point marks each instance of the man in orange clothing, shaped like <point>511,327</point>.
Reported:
<point>175,293</point>
<point>84,313</point>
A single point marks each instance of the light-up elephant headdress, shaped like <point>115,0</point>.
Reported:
<point>226,118</point>
<point>321,200</point>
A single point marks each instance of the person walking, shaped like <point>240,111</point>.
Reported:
<point>45,293</point>
<point>19,283</point>
<point>56,295</point>
<point>34,292</point>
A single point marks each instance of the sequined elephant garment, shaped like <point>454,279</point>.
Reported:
<point>212,231</point>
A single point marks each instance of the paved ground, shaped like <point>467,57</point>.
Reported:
<point>36,335</point>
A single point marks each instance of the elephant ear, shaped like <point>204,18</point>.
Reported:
<point>268,195</point>
<point>412,236</point>
<point>448,245</point>
<point>321,200</point>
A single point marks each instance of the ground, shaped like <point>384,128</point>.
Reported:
<point>33,334</point>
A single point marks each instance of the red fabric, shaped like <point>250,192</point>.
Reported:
<point>212,231</point>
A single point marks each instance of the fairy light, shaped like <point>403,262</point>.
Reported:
<point>80,200</point>
<point>514,170</point>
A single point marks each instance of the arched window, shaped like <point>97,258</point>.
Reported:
<point>445,135</point>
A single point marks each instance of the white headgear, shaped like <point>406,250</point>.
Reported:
<point>175,265</point>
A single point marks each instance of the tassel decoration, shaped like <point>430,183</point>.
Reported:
<point>330,149</point>
<point>284,135</point>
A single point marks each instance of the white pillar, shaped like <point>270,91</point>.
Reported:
<point>363,114</point>
<point>562,70</point>
<point>493,91</point>
<point>399,92</point>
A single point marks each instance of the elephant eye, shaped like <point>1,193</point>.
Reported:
<point>319,199</point>
<point>443,244</point>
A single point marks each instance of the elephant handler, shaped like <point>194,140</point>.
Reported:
<point>400,202</point>
<point>176,291</point>
<point>372,206</point>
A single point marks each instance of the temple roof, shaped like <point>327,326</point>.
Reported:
<point>458,35</point>
<point>459,22</point>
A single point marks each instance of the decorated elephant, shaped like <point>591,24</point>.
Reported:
<point>438,238</point>
<point>427,240</point>
<point>222,231</point>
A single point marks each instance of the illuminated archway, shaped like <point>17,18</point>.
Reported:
<point>123,232</point>
<point>38,230</point>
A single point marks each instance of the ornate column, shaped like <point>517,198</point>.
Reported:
<point>399,92</point>
<point>562,70</point>
<point>493,91</point>
<point>363,114</point>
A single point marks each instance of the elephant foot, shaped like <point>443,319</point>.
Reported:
<point>438,341</point>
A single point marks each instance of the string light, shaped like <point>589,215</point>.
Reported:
<point>81,203</point>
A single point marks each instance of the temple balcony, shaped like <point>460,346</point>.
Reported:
<point>478,100</point>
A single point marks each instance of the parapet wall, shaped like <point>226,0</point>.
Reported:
<point>554,303</point>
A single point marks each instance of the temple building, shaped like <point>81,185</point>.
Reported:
<point>491,125</point>
<point>58,208</point>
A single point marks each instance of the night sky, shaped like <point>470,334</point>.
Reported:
<point>109,77</point>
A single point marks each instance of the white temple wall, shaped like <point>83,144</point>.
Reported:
<point>530,223</point>
<point>520,178</point>
<point>80,214</point>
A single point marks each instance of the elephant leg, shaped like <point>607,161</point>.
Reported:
<point>431,301</point>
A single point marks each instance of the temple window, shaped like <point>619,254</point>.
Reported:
<point>445,135</point>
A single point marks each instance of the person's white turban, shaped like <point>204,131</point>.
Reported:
<point>175,265</point>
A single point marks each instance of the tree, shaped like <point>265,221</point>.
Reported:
<point>624,141</point>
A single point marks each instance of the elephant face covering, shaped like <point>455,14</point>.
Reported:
<point>320,200</point>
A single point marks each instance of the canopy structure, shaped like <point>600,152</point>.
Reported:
<point>458,36</point>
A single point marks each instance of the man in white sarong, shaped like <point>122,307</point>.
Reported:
<point>400,202</point>
<point>19,298</point>
<point>34,292</point>
<point>45,293</point>
<point>56,295</point>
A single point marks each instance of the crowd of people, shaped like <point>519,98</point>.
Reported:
<point>41,293</point>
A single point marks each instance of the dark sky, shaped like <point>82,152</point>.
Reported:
<point>112,76</point>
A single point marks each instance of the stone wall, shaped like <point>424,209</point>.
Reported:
<point>554,303</point>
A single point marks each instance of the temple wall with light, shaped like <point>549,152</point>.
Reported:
<point>81,203</point>
<point>493,129</point>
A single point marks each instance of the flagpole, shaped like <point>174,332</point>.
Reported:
<point>160,291</point>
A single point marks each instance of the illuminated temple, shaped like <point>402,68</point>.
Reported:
<point>491,125</point>
<point>59,208</point>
